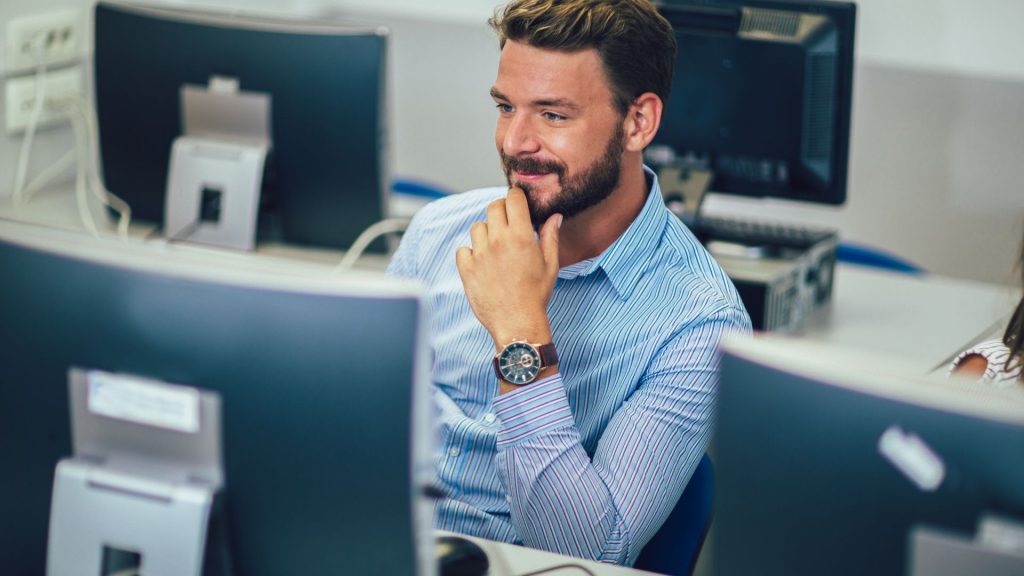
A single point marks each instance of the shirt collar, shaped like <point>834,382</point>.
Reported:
<point>626,259</point>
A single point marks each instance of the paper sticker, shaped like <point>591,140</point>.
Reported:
<point>145,402</point>
<point>911,456</point>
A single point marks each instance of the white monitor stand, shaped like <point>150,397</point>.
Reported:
<point>137,494</point>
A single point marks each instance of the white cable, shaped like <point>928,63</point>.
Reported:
<point>81,194</point>
<point>386,226</point>
<point>108,198</point>
<point>21,173</point>
<point>48,173</point>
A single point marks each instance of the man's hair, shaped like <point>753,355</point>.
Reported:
<point>636,44</point>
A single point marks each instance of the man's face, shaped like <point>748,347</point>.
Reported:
<point>559,135</point>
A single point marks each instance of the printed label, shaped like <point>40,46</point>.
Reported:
<point>145,402</point>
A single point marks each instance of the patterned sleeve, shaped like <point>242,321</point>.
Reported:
<point>996,354</point>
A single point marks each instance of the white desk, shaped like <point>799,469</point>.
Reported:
<point>56,208</point>
<point>925,320</point>
<point>512,560</point>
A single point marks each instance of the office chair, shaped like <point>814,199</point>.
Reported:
<point>676,546</point>
<point>868,256</point>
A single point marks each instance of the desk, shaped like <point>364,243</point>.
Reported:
<point>56,208</point>
<point>925,320</point>
<point>512,560</point>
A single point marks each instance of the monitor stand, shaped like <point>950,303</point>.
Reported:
<point>997,549</point>
<point>137,495</point>
<point>216,171</point>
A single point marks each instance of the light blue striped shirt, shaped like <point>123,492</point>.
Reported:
<point>590,461</point>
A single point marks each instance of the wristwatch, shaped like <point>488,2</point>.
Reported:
<point>520,362</point>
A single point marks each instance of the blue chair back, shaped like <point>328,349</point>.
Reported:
<point>676,546</point>
<point>863,255</point>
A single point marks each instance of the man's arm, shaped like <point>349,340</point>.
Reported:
<point>508,276</point>
<point>608,507</point>
<point>559,498</point>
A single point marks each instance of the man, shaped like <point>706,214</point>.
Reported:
<point>574,366</point>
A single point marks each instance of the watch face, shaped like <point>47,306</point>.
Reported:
<point>519,363</point>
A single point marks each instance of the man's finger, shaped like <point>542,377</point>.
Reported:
<point>518,210</point>
<point>496,219</point>
<point>463,260</point>
<point>549,243</point>
<point>478,235</point>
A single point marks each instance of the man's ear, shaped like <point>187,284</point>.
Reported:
<point>642,121</point>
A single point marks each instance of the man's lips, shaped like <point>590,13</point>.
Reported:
<point>527,177</point>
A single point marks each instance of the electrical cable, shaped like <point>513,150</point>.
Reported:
<point>108,198</point>
<point>81,192</point>
<point>550,569</point>
<point>86,152</point>
<point>364,239</point>
<point>185,232</point>
<point>48,173</point>
<point>87,176</point>
<point>21,173</point>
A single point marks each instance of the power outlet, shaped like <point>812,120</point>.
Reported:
<point>61,86</point>
<point>58,32</point>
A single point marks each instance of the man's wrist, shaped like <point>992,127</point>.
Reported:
<point>504,386</point>
<point>536,332</point>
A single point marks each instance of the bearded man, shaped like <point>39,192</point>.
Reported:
<point>574,320</point>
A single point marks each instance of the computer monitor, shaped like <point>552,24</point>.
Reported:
<point>827,462</point>
<point>761,96</point>
<point>326,176</point>
<point>324,386</point>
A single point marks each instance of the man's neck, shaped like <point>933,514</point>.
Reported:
<point>592,231</point>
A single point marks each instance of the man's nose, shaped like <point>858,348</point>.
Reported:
<point>520,137</point>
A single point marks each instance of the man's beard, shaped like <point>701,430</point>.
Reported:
<point>579,192</point>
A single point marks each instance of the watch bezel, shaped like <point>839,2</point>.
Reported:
<point>525,374</point>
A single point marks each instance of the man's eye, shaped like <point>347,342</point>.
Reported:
<point>554,117</point>
<point>504,108</point>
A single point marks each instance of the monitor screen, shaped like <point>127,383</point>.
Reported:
<point>761,96</point>
<point>325,177</point>
<point>322,383</point>
<point>827,464</point>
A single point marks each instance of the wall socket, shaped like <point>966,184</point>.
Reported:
<point>58,31</point>
<point>61,86</point>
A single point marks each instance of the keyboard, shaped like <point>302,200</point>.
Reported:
<point>761,234</point>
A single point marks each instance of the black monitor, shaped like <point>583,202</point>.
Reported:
<point>323,383</point>
<point>325,179</point>
<point>829,463</point>
<point>761,96</point>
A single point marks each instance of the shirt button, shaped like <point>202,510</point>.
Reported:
<point>489,418</point>
<point>508,498</point>
<point>454,451</point>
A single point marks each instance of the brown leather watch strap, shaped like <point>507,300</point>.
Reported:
<point>548,354</point>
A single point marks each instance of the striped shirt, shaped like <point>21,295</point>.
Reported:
<point>996,373</point>
<point>588,462</point>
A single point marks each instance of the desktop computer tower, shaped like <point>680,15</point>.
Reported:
<point>781,286</point>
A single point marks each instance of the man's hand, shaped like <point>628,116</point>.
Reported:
<point>508,275</point>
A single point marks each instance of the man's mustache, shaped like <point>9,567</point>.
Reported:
<point>531,166</point>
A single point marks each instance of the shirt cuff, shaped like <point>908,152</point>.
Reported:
<point>532,410</point>
<point>994,352</point>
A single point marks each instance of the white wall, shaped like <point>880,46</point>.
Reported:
<point>937,158</point>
